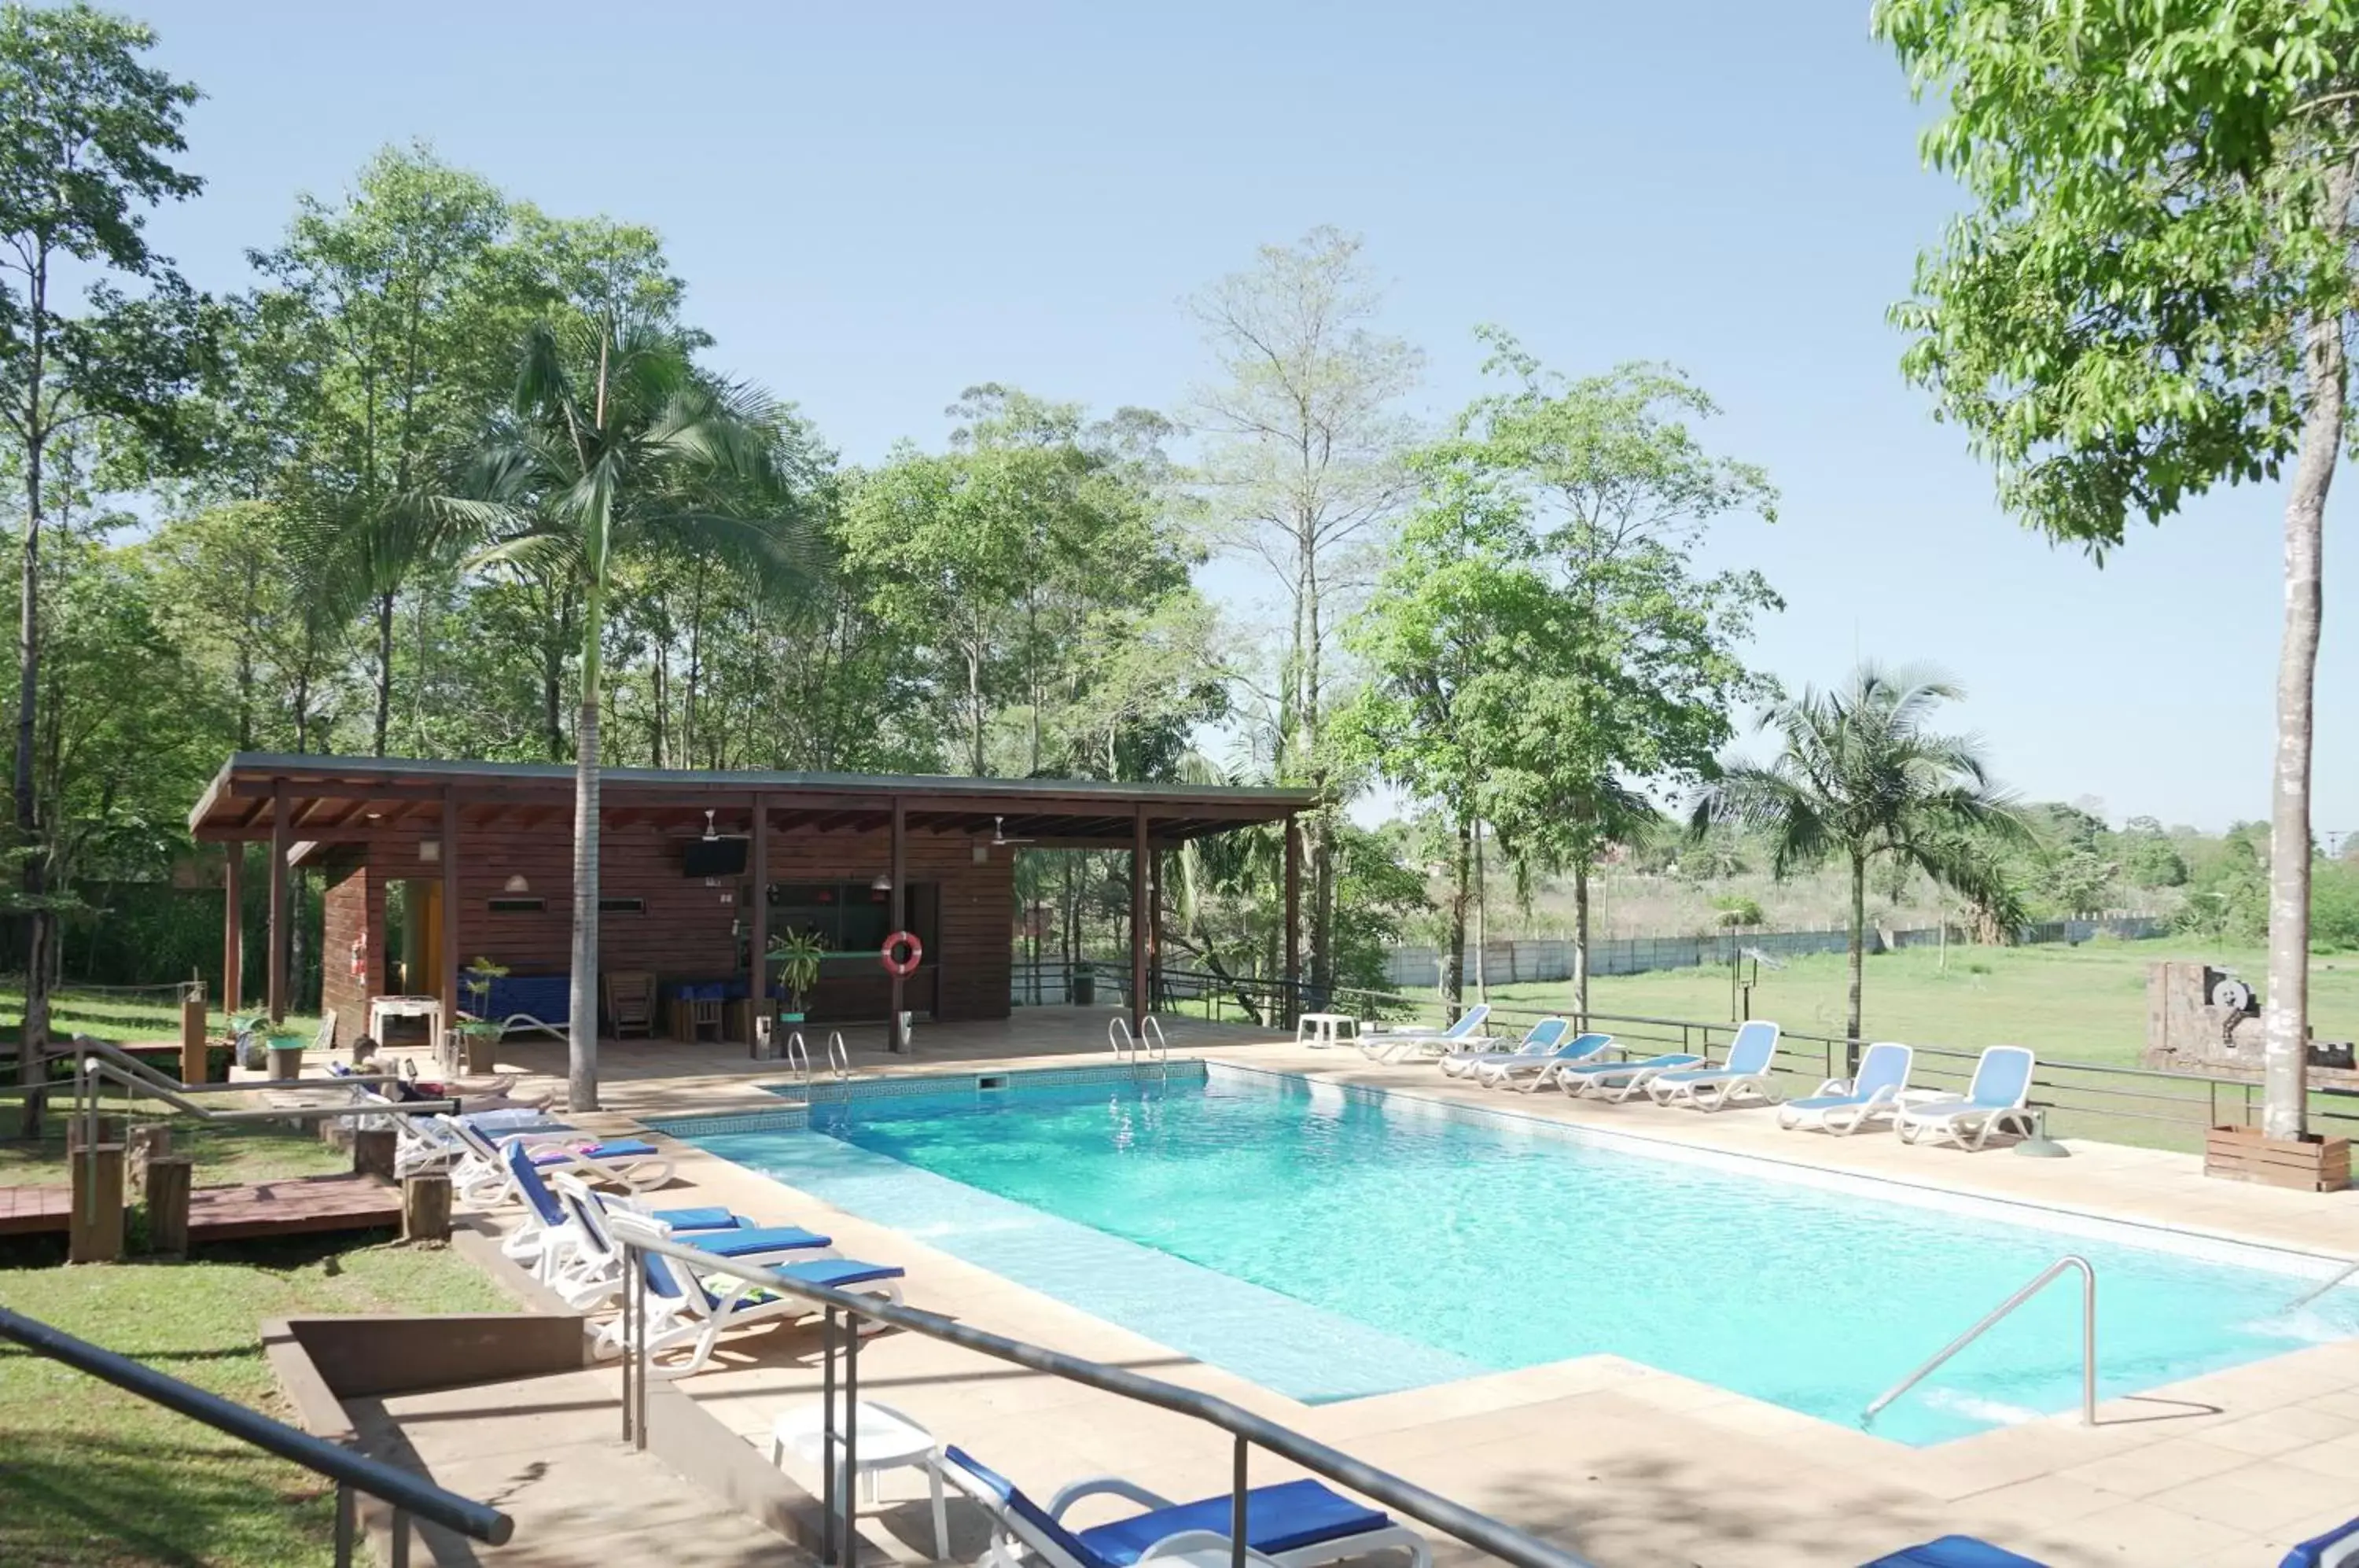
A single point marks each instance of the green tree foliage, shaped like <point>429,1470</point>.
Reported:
<point>1042,580</point>
<point>615,441</point>
<point>1302,473</point>
<point>1860,777</point>
<point>2150,296</point>
<point>1543,647</point>
<point>87,136</point>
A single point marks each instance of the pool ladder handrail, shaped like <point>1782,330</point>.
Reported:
<point>839,1058</point>
<point>2039,1283</point>
<point>1149,1042</point>
<point>798,1057</point>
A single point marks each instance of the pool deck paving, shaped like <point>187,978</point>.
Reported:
<point>1627,1466</point>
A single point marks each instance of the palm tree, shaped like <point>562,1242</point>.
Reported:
<point>615,441</point>
<point>1861,777</point>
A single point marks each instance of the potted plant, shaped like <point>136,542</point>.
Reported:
<point>797,953</point>
<point>479,1035</point>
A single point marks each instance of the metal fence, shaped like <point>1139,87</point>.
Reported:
<point>1509,963</point>
<point>2082,1099</point>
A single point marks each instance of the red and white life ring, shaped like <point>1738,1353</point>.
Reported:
<point>909,950</point>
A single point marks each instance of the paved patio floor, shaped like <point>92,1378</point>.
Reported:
<point>1625,1463</point>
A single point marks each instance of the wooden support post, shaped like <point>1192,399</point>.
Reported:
<point>1154,927</point>
<point>196,1048</point>
<point>372,1152</point>
<point>233,931</point>
<point>426,1207</point>
<point>447,958</point>
<point>757,948</point>
<point>898,903</point>
<point>94,1228</point>
<point>281,926</point>
<point>1292,1004</point>
<point>168,1180</point>
<point>150,1141</point>
<point>1139,921</point>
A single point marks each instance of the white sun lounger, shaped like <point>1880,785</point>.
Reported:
<point>1746,1073</point>
<point>580,1260</point>
<point>1536,1046</point>
<point>1844,1106</point>
<point>1391,1045</point>
<point>630,1163</point>
<point>1617,1080</point>
<point>1992,1102</point>
<point>683,1310</point>
<point>1295,1524</point>
<point>1532,1069</point>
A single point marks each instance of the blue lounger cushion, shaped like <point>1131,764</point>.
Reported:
<point>1955,1552</point>
<point>1827,1102</point>
<point>839,1271</point>
<point>2338,1547</point>
<point>716,1218</point>
<point>1283,1517</point>
<point>750,1239</point>
<point>621,1149</point>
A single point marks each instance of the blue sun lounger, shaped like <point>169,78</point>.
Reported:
<point>1296,1524</point>
<point>1535,1046</point>
<point>1617,1080</point>
<point>1745,1071</point>
<point>1580,1048</point>
<point>1844,1106</point>
<point>1992,1102</point>
<point>2338,1547</point>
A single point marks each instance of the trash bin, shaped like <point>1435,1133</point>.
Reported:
<point>1084,986</point>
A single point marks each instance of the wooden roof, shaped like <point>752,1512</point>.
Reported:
<point>331,799</point>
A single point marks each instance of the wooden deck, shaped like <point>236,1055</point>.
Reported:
<point>295,1206</point>
<point>34,1210</point>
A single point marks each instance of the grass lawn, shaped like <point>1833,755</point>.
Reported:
<point>92,1477</point>
<point>122,1019</point>
<point>225,1156</point>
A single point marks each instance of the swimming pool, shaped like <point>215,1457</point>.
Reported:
<point>1333,1243</point>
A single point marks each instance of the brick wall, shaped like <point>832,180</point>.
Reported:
<point>354,904</point>
<point>683,929</point>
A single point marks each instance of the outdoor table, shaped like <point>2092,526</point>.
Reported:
<point>1323,1030</point>
<point>888,1440</point>
<point>427,1008</point>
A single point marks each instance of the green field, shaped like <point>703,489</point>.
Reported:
<point>96,1478</point>
<point>122,1018</point>
<point>2070,1004</point>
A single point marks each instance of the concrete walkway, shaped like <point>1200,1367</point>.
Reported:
<point>548,1452</point>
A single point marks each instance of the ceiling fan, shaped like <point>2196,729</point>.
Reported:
<point>999,833</point>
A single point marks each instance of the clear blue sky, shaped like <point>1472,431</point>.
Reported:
<point>876,205</point>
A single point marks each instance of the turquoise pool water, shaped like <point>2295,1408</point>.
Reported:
<point>1333,1244</point>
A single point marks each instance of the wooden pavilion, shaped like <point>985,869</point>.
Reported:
<point>696,870</point>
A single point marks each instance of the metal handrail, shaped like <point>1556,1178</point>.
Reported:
<point>1119,1039</point>
<point>2310,1295</point>
<point>1149,1030</point>
<point>839,1058</point>
<point>798,1057</point>
<point>353,1472</point>
<point>640,1234</point>
<point>2088,1338</point>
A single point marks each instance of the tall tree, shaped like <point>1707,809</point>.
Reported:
<point>616,441</point>
<point>1640,673</point>
<point>1302,470</point>
<point>87,134</point>
<point>2152,296</point>
<point>408,300</point>
<point>1860,778</point>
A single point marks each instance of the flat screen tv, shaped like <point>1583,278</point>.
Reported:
<point>713,857</point>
